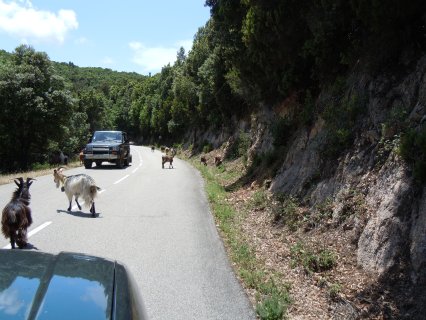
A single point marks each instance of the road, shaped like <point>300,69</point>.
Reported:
<point>157,222</point>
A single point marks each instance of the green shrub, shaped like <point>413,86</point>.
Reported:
<point>286,209</point>
<point>271,309</point>
<point>40,166</point>
<point>312,261</point>
<point>325,209</point>
<point>275,302</point>
<point>240,146</point>
<point>340,118</point>
<point>322,261</point>
<point>334,290</point>
<point>259,199</point>
<point>207,147</point>
<point>252,278</point>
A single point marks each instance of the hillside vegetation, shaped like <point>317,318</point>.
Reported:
<point>318,110</point>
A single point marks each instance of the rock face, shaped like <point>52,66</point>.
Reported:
<point>392,233</point>
<point>370,184</point>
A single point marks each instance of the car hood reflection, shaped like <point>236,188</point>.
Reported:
<point>44,282</point>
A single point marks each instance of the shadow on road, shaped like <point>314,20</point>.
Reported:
<point>79,213</point>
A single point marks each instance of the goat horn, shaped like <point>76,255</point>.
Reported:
<point>21,181</point>
<point>30,181</point>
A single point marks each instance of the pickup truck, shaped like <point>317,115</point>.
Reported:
<point>110,146</point>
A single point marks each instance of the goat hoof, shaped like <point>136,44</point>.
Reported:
<point>62,189</point>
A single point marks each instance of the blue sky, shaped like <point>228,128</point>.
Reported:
<point>128,35</point>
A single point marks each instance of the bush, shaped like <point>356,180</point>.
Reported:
<point>340,121</point>
<point>240,147</point>
<point>286,209</point>
<point>40,166</point>
<point>270,309</point>
<point>312,261</point>
<point>259,199</point>
<point>275,302</point>
<point>207,147</point>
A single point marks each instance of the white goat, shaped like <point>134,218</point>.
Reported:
<point>77,185</point>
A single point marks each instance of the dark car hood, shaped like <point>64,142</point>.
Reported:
<point>36,285</point>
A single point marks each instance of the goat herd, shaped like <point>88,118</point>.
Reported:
<point>16,215</point>
<point>217,160</point>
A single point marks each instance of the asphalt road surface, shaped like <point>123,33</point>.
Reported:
<point>157,222</point>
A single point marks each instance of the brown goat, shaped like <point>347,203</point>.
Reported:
<point>16,215</point>
<point>81,157</point>
<point>168,159</point>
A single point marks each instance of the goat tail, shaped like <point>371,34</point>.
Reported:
<point>89,197</point>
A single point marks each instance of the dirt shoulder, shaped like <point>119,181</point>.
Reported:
<point>319,288</point>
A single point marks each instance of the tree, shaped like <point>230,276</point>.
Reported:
<point>35,108</point>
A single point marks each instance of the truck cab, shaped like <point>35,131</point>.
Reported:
<point>109,146</point>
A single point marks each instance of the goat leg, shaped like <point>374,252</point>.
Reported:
<point>12,239</point>
<point>78,205</point>
<point>22,238</point>
<point>69,208</point>
<point>92,209</point>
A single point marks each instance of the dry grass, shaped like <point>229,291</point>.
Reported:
<point>8,178</point>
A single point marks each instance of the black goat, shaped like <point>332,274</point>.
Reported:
<point>16,216</point>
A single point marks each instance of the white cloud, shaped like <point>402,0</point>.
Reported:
<point>21,19</point>
<point>10,302</point>
<point>152,59</point>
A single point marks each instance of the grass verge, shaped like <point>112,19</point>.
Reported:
<point>271,294</point>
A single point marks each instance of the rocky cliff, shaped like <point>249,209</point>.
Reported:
<point>376,199</point>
